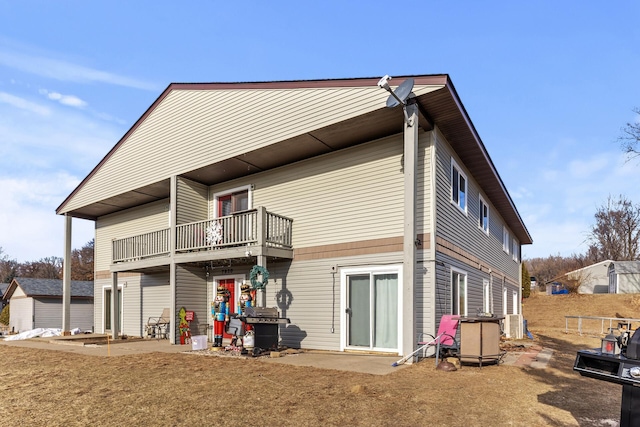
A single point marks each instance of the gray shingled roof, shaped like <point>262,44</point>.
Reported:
<point>3,289</point>
<point>53,287</point>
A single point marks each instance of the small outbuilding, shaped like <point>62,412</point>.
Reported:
<point>624,277</point>
<point>37,303</point>
<point>613,277</point>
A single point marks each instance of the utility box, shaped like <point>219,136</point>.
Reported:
<point>480,340</point>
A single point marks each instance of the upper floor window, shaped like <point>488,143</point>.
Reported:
<point>232,201</point>
<point>458,186</point>
<point>483,215</point>
<point>506,240</point>
<point>514,249</point>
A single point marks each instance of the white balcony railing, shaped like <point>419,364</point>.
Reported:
<point>243,228</point>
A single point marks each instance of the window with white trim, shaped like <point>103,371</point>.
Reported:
<point>459,301</point>
<point>483,215</point>
<point>506,240</point>
<point>514,250</point>
<point>486,296</point>
<point>458,187</point>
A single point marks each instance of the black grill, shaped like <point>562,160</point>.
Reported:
<point>623,368</point>
<point>265,322</point>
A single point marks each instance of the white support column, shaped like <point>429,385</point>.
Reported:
<point>409,245</point>
<point>66,278</point>
<point>262,259</point>
<point>115,307</point>
<point>173,211</point>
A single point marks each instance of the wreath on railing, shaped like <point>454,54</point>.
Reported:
<point>256,271</point>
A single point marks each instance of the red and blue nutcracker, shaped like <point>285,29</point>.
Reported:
<point>246,300</point>
<point>220,313</point>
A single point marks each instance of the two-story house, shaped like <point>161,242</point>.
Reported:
<point>371,223</point>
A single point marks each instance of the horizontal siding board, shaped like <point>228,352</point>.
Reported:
<point>131,222</point>
<point>187,122</point>
<point>463,230</point>
<point>349,195</point>
<point>191,293</point>
<point>308,293</point>
<point>192,201</point>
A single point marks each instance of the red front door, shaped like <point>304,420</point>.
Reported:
<point>230,284</point>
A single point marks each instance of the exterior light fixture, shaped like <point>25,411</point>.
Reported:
<point>610,345</point>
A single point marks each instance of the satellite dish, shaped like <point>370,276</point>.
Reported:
<point>401,94</point>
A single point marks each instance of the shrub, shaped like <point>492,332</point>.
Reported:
<point>4,316</point>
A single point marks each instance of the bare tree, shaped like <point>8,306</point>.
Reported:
<point>82,262</point>
<point>46,268</point>
<point>616,234</point>
<point>8,267</point>
<point>630,138</point>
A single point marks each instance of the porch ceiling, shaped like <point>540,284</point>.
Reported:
<point>441,106</point>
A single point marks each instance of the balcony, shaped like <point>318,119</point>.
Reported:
<point>257,228</point>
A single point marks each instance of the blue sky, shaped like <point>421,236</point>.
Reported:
<point>547,84</point>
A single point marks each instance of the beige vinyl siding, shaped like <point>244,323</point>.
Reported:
<point>188,123</point>
<point>462,230</point>
<point>155,296</point>
<point>423,301</point>
<point>21,313</point>
<point>131,310</point>
<point>131,222</point>
<point>351,195</point>
<point>98,303</point>
<point>308,293</point>
<point>191,293</point>
<point>192,201</point>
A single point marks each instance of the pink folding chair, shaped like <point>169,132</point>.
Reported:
<point>445,339</point>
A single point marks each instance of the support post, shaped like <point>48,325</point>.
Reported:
<point>66,278</point>
<point>115,307</point>
<point>173,212</point>
<point>262,259</point>
<point>409,242</point>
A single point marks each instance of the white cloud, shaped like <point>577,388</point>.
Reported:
<point>24,58</point>
<point>69,100</point>
<point>23,104</point>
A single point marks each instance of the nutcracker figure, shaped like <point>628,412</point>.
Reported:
<point>246,300</point>
<point>220,312</point>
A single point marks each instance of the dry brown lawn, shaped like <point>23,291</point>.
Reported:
<point>54,388</point>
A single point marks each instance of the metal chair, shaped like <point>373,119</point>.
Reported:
<point>158,327</point>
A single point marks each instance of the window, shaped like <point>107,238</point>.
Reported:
<point>459,292</point>
<point>505,239</point>
<point>458,187</point>
<point>514,249</point>
<point>234,202</point>
<point>483,215</point>
<point>486,296</point>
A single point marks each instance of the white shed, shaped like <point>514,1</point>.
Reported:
<point>37,303</point>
